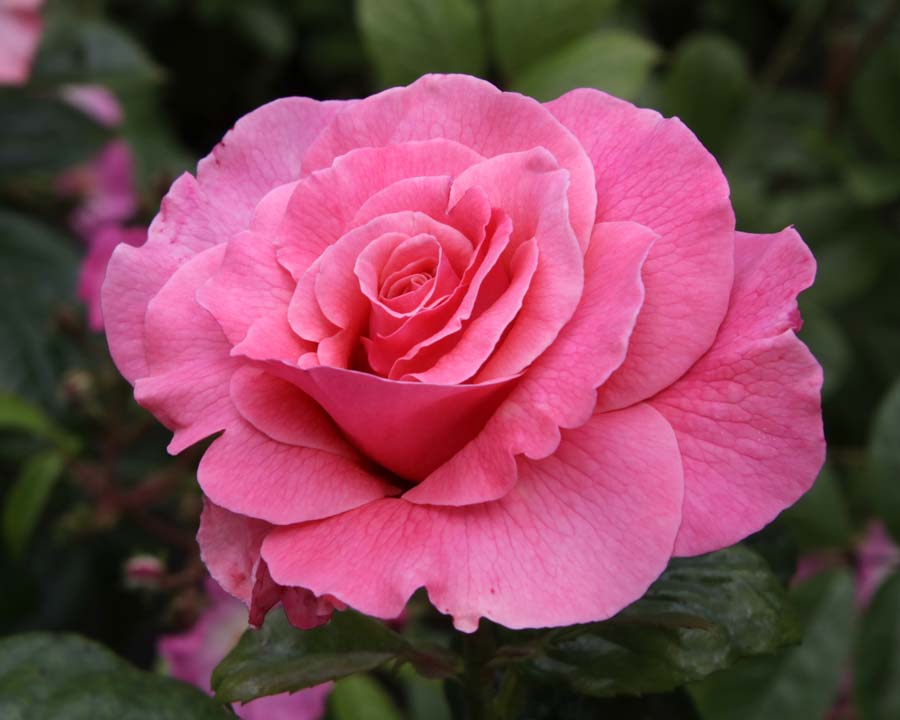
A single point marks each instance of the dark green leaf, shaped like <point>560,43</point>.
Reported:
<point>799,683</point>
<point>27,497</point>
<point>43,134</point>
<point>408,38</point>
<point>877,676</point>
<point>875,100</point>
<point>699,617</point>
<point>527,31</point>
<point>280,658</point>
<point>359,697</point>
<point>820,519</point>
<point>45,677</point>
<point>80,50</point>
<point>616,61</point>
<point>19,415</point>
<point>37,276</point>
<point>707,87</point>
<point>884,454</point>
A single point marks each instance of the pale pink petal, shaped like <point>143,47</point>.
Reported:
<point>559,389</point>
<point>583,534</point>
<point>325,203</point>
<point>93,268</point>
<point>265,149</point>
<point>20,34</point>
<point>283,483</point>
<point>466,110</point>
<point>229,546</point>
<point>748,415</point>
<point>655,172</point>
<point>262,152</point>
<point>188,356</point>
<point>407,427</point>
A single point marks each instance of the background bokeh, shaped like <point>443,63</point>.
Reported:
<point>798,99</point>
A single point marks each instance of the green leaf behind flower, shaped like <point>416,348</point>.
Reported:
<point>701,616</point>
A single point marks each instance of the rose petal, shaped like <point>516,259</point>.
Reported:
<point>250,284</point>
<point>283,483</point>
<point>559,389</point>
<point>189,366</point>
<point>653,171</point>
<point>285,413</point>
<point>463,109</point>
<point>325,203</point>
<point>229,547</point>
<point>748,415</point>
<point>408,428</point>
<point>262,152</point>
<point>559,549</point>
<point>531,190</point>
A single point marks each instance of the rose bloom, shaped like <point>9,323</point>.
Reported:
<point>193,655</point>
<point>20,33</point>
<point>451,337</point>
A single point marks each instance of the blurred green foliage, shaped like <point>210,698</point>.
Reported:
<point>798,99</point>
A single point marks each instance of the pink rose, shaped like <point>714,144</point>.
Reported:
<point>192,656</point>
<point>514,353</point>
<point>101,244</point>
<point>20,33</point>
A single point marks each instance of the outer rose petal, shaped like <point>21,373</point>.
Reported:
<point>229,547</point>
<point>559,389</point>
<point>263,151</point>
<point>748,414</point>
<point>189,366</point>
<point>247,472</point>
<point>93,268</point>
<point>465,110</point>
<point>561,548</point>
<point>655,172</point>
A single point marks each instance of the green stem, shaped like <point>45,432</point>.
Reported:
<point>478,650</point>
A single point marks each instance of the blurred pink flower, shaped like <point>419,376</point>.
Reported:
<point>876,557</point>
<point>93,268</point>
<point>96,102</point>
<point>191,656</point>
<point>106,188</point>
<point>20,32</point>
<point>105,185</point>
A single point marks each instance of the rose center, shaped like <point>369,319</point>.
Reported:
<point>407,283</point>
